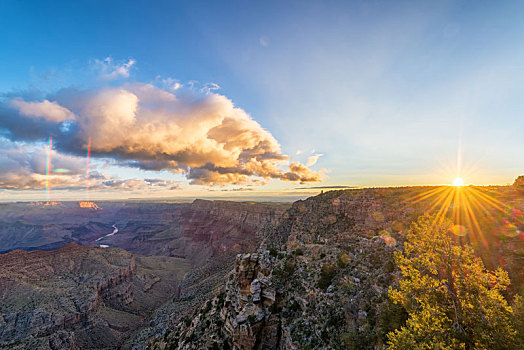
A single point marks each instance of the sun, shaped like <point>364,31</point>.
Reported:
<point>458,182</point>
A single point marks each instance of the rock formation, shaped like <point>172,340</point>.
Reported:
<point>319,278</point>
<point>519,184</point>
<point>80,297</point>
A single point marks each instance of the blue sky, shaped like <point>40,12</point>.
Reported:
<point>387,92</point>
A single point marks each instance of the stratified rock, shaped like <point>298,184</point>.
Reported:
<point>80,297</point>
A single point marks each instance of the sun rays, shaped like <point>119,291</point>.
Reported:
<point>474,210</point>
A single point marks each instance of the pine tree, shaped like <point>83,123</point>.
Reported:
<point>453,302</point>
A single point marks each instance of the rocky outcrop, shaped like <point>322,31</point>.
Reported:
<point>89,205</point>
<point>313,276</point>
<point>519,184</point>
<point>205,234</point>
<point>80,296</point>
<point>320,277</point>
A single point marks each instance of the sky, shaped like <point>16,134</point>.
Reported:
<point>256,99</point>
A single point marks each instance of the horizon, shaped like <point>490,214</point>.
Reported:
<point>273,197</point>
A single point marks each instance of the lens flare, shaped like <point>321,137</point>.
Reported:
<point>87,168</point>
<point>48,169</point>
<point>510,229</point>
<point>389,240</point>
<point>459,230</point>
<point>475,210</point>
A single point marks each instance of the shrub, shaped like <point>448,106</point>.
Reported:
<point>327,274</point>
<point>342,260</point>
<point>289,268</point>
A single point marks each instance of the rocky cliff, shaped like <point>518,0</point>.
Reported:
<point>80,296</point>
<point>97,298</point>
<point>195,230</point>
<point>320,277</point>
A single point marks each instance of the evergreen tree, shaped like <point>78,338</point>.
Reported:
<point>453,302</point>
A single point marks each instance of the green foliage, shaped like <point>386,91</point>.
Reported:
<point>348,339</point>
<point>518,319</point>
<point>453,302</point>
<point>285,271</point>
<point>274,309</point>
<point>294,306</point>
<point>289,268</point>
<point>391,317</point>
<point>273,252</point>
<point>251,319</point>
<point>343,260</point>
<point>299,252</point>
<point>327,273</point>
<point>221,300</point>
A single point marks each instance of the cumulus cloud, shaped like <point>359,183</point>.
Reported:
<point>313,159</point>
<point>201,135</point>
<point>111,70</point>
<point>299,173</point>
<point>50,111</point>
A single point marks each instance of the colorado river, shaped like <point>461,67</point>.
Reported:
<point>115,230</point>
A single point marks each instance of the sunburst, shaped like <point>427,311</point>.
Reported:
<point>458,182</point>
<point>475,210</point>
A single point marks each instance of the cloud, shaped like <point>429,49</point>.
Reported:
<point>324,187</point>
<point>313,159</point>
<point>201,135</point>
<point>50,111</point>
<point>110,70</point>
<point>170,83</point>
<point>299,152</point>
<point>209,87</point>
<point>300,173</point>
<point>23,167</point>
<point>264,41</point>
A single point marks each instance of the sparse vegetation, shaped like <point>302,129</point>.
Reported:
<point>327,274</point>
<point>452,300</point>
<point>342,260</point>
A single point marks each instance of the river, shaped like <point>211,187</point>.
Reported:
<point>115,230</point>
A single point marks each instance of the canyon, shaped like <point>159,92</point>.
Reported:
<point>313,274</point>
<point>59,289</point>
